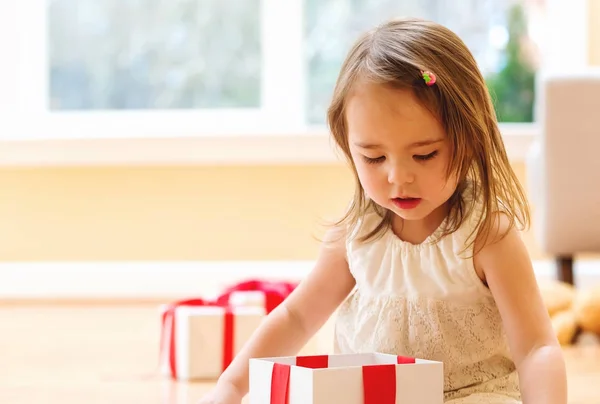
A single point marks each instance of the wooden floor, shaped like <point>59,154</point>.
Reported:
<point>108,354</point>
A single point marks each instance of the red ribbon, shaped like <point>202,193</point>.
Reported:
<point>275,294</point>
<point>169,317</point>
<point>280,384</point>
<point>379,384</point>
<point>405,360</point>
<point>379,381</point>
<point>228,341</point>
<point>313,361</point>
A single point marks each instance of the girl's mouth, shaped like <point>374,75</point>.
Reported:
<point>406,203</point>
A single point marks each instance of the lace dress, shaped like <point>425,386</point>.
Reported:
<point>426,300</point>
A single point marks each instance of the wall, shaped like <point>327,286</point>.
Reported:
<point>195,213</point>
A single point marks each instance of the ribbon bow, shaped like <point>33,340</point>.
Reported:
<point>275,292</point>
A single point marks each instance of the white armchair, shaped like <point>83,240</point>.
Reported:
<point>564,167</point>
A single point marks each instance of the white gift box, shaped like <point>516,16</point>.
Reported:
<point>366,378</point>
<point>199,341</point>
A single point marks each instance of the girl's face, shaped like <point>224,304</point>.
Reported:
<point>400,151</point>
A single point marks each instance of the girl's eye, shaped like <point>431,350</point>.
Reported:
<point>375,160</point>
<point>425,157</point>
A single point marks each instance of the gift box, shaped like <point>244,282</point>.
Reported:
<point>200,337</point>
<point>366,378</point>
<point>203,340</point>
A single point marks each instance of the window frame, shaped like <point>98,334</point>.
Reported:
<point>276,133</point>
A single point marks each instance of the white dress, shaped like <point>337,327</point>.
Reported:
<point>427,301</point>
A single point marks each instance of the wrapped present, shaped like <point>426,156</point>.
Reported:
<point>200,337</point>
<point>204,339</point>
<point>366,378</point>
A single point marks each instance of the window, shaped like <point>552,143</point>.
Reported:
<point>495,31</point>
<point>82,69</point>
<point>157,68</point>
<point>145,54</point>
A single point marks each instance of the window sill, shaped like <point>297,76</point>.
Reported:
<point>172,280</point>
<point>311,147</point>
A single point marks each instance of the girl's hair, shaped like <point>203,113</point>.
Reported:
<point>395,54</point>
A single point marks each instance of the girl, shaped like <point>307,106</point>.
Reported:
<point>427,261</point>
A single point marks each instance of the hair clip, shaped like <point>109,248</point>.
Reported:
<point>428,77</point>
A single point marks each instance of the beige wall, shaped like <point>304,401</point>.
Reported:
<point>204,213</point>
<point>193,213</point>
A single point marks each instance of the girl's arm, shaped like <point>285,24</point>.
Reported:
<point>506,267</point>
<point>289,327</point>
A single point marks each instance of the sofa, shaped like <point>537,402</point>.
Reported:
<point>563,167</point>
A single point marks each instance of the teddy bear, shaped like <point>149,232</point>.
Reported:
<point>575,313</point>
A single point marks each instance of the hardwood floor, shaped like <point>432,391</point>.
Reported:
<point>109,354</point>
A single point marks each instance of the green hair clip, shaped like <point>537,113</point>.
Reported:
<point>428,77</point>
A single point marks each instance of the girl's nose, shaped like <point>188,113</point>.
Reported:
<point>399,174</point>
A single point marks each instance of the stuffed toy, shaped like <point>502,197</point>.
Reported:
<point>586,307</point>
<point>573,312</point>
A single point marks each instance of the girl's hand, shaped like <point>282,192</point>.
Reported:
<point>222,393</point>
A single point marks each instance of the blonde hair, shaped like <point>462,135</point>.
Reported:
<point>395,54</point>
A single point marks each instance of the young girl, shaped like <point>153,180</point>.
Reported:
<point>428,261</point>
